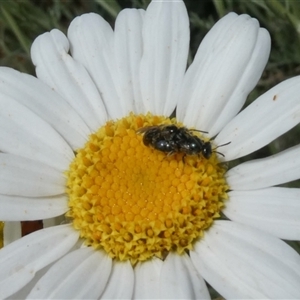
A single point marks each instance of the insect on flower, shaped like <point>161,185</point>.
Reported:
<point>173,139</point>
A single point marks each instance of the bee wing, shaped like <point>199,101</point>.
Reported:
<point>147,128</point>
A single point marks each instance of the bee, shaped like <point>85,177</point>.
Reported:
<point>172,139</point>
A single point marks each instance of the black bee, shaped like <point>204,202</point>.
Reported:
<point>173,139</point>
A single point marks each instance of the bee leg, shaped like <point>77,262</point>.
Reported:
<point>171,153</point>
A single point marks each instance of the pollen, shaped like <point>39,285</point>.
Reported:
<point>136,202</point>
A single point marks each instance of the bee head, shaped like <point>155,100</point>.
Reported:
<point>206,150</point>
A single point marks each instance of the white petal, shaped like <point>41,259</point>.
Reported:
<point>69,78</point>
<point>24,177</point>
<point>180,280</point>
<point>246,84</point>
<point>271,115</point>
<point>166,41</point>
<point>12,231</point>
<point>244,263</point>
<point>147,277</point>
<point>22,259</point>
<point>120,283</point>
<point>274,210</point>
<point>14,208</point>
<point>91,44</point>
<point>227,66</point>
<point>128,48</point>
<point>23,292</point>
<point>46,103</point>
<point>273,170</point>
<point>81,274</point>
<point>26,134</point>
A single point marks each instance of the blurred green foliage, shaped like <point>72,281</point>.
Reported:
<point>21,21</point>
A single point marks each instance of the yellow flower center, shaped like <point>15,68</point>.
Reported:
<point>136,202</point>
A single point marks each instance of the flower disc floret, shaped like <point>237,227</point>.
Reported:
<point>136,202</point>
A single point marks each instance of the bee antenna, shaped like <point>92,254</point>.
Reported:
<point>198,130</point>
<point>214,150</point>
<point>222,145</point>
<point>219,153</point>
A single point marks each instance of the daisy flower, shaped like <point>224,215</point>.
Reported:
<point>140,222</point>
